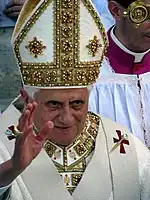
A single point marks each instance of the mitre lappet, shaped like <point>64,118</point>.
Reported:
<point>59,43</point>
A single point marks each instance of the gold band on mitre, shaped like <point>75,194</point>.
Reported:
<point>59,43</point>
<point>138,12</point>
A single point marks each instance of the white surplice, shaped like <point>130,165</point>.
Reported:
<point>108,176</point>
<point>126,100</point>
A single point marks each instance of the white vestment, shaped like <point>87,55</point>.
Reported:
<point>124,99</point>
<point>110,175</point>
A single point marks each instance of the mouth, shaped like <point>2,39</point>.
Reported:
<point>147,36</point>
<point>64,128</point>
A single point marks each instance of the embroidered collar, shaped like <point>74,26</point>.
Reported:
<point>71,161</point>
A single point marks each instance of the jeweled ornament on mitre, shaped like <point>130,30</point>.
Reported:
<point>59,43</point>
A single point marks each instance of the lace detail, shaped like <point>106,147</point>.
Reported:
<point>142,109</point>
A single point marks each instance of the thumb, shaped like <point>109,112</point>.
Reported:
<point>44,132</point>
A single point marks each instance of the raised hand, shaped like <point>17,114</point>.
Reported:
<point>13,8</point>
<point>29,145</point>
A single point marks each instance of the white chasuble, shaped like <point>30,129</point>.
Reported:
<point>111,173</point>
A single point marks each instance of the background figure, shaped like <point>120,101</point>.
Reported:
<point>129,39</point>
<point>9,76</point>
<point>106,17</point>
<point>123,93</point>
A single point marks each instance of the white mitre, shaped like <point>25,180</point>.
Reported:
<point>59,43</point>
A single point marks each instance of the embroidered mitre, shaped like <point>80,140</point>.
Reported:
<point>59,43</point>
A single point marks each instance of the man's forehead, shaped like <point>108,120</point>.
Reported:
<point>62,93</point>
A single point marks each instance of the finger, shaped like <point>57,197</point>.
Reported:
<point>21,139</point>
<point>45,131</point>
<point>23,121</point>
<point>14,3</point>
<point>12,10</point>
<point>31,106</point>
<point>24,96</point>
<point>26,134</point>
<point>13,15</point>
<point>34,104</point>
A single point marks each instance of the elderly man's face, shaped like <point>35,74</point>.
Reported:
<point>66,108</point>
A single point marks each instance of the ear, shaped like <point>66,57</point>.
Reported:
<point>115,9</point>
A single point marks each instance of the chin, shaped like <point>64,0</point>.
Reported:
<point>63,138</point>
<point>63,141</point>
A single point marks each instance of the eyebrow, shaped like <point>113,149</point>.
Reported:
<point>59,102</point>
<point>80,100</point>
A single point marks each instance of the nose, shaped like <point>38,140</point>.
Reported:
<point>66,116</point>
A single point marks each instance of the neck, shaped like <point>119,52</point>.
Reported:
<point>125,40</point>
<point>61,144</point>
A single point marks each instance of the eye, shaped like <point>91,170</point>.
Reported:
<point>77,104</point>
<point>52,104</point>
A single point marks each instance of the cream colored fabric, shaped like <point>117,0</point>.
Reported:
<point>109,176</point>
<point>64,51</point>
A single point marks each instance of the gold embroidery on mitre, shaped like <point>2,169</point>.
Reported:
<point>28,7</point>
<point>71,161</point>
<point>66,69</point>
<point>94,45</point>
<point>35,47</point>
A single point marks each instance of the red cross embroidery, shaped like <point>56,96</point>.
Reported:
<point>12,128</point>
<point>121,141</point>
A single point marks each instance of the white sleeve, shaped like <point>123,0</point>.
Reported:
<point>143,155</point>
<point>3,190</point>
<point>3,157</point>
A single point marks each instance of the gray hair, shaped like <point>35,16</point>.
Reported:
<point>32,90</point>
